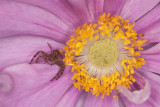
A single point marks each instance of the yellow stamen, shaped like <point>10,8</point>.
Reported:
<point>115,97</point>
<point>96,37</point>
<point>60,51</point>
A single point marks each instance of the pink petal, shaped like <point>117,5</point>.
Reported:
<point>139,96</point>
<point>80,9</point>
<point>152,63</point>
<point>135,9</point>
<point>128,103</point>
<point>153,100</point>
<point>32,86</point>
<point>154,37</point>
<point>70,98</point>
<point>153,50</point>
<point>152,66</point>
<point>152,58</point>
<point>93,101</point>
<point>81,100</point>
<point>154,81</point>
<point>148,45</point>
<point>64,13</point>
<point>149,25</point>
<point>19,18</point>
<point>95,8</point>
<point>6,83</point>
<point>20,49</point>
<point>113,6</point>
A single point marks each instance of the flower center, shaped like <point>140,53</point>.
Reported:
<point>103,53</point>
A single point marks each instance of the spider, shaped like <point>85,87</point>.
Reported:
<point>54,58</point>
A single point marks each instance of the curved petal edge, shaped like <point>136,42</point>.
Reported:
<point>138,96</point>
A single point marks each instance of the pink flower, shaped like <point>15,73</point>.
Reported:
<point>27,25</point>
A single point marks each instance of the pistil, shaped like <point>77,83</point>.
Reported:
<point>103,53</point>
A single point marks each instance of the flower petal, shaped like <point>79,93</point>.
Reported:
<point>154,81</point>
<point>128,103</point>
<point>20,49</point>
<point>152,63</point>
<point>149,27</point>
<point>113,6</point>
<point>95,8</point>
<point>20,18</point>
<point>32,86</point>
<point>152,58</point>
<point>81,99</point>
<point>93,101</point>
<point>135,9</point>
<point>64,13</point>
<point>80,9</point>
<point>153,100</point>
<point>148,45</point>
<point>6,83</point>
<point>152,37</point>
<point>139,96</point>
<point>70,98</point>
<point>153,50</point>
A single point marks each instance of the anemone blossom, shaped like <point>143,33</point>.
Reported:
<point>110,48</point>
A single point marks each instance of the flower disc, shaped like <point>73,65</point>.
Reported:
<point>104,55</point>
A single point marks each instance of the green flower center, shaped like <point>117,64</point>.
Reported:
<point>103,53</point>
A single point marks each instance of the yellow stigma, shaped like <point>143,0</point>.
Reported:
<point>104,55</point>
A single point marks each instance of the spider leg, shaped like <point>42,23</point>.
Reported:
<point>50,48</point>
<point>44,54</point>
<point>59,75</point>
<point>46,61</point>
<point>39,58</point>
<point>60,72</point>
<point>52,63</point>
<point>35,56</point>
